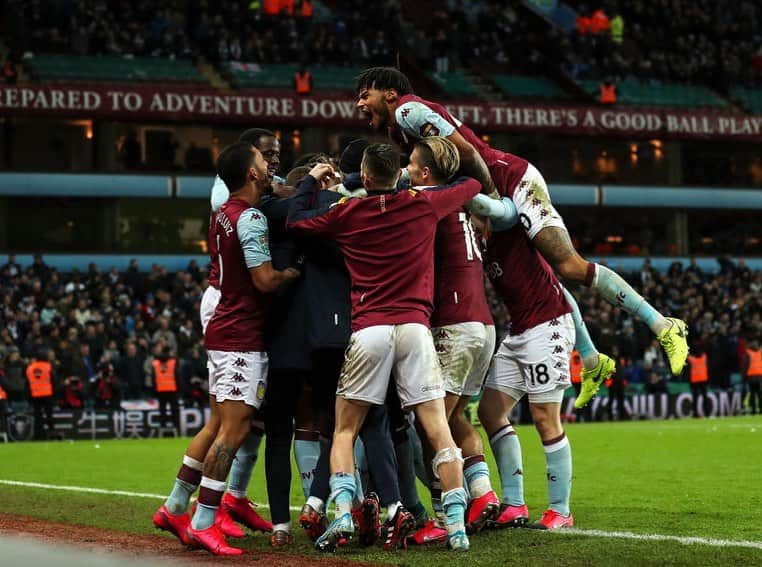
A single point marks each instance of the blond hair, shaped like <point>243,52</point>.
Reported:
<point>441,156</point>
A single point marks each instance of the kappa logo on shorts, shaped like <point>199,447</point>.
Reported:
<point>558,349</point>
<point>554,323</point>
<point>238,377</point>
<point>558,364</point>
<point>405,112</point>
<point>240,362</point>
<point>235,391</point>
<point>555,336</point>
<point>536,202</point>
<point>563,378</point>
<point>544,213</point>
<point>440,348</point>
<point>442,334</point>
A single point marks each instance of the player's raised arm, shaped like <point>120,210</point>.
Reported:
<point>303,215</point>
<point>449,198</point>
<point>472,164</point>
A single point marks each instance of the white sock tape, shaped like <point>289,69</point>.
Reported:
<point>446,455</point>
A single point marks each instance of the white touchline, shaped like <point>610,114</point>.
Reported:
<point>91,490</point>
<point>685,540</point>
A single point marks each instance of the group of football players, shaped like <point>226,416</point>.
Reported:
<point>349,315</point>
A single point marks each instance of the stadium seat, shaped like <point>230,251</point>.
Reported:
<point>455,84</point>
<point>281,76</point>
<point>637,93</point>
<point>751,99</point>
<point>517,86</point>
<point>113,68</point>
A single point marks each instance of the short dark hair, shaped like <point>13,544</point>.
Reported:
<point>383,78</point>
<point>254,135</point>
<point>310,159</point>
<point>382,163</point>
<point>234,163</point>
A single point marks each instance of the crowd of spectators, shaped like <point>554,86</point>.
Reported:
<point>702,41</point>
<point>101,329</point>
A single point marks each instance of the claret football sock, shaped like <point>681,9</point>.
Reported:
<point>186,483</point>
<point>507,450</point>
<point>558,462</point>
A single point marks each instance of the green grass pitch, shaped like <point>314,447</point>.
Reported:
<point>699,478</point>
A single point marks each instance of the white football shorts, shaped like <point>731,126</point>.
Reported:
<point>238,376</point>
<point>465,351</point>
<point>535,363</point>
<point>376,353</point>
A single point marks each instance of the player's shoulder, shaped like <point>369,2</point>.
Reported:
<point>252,218</point>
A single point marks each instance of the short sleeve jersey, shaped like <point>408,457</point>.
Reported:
<point>387,240</point>
<point>240,233</point>
<point>458,274</point>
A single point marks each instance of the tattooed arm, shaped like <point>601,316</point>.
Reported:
<point>556,247</point>
<point>472,164</point>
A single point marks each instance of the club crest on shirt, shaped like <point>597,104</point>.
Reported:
<point>429,129</point>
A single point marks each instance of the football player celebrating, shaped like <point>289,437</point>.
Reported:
<point>386,97</point>
<point>463,330</point>
<point>387,239</point>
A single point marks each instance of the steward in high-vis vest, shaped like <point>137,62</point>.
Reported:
<point>39,374</point>
<point>165,384</point>
<point>752,373</point>
<point>699,376</point>
<point>608,92</point>
<point>3,404</point>
<point>303,82</point>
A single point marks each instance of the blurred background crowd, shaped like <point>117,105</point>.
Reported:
<point>102,329</point>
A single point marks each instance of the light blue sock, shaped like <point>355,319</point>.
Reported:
<point>476,477</point>
<point>177,502</point>
<point>204,517</point>
<point>306,455</point>
<point>406,473</point>
<point>361,464</point>
<point>454,503</point>
<point>616,291</point>
<point>507,450</point>
<point>558,462</point>
<point>243,464</point>
<point>584,343</point>
<point>342,492</point>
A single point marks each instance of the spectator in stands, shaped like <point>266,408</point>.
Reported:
<point>656,384</point>
<point>617,385</point>
<point>17,386</point>
<point>107,388</point>
<point>608,94</point>
<point>9,71</point>
<point>130,372</point>
<point>10,269</point>
<point>73,393</point>
<point>3,403</point>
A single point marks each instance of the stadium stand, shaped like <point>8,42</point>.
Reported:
<point>636,92</point>
<point>48,68</point>
<point>44,310</point>
<point>522,86</point>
